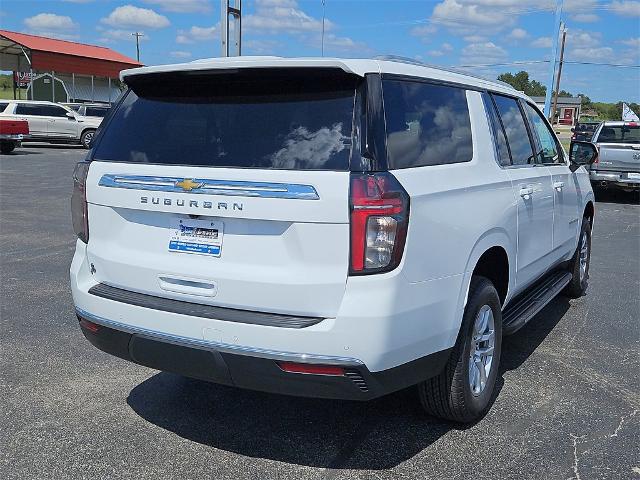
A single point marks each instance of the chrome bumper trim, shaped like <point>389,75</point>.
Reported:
<point>222,347</point>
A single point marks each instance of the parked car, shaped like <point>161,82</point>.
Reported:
<point>12,132</point>
<point>584,131</point>
<point>618,162</point>
<point>52,122</point>
<point>94,110</point>
<point>325,227</point>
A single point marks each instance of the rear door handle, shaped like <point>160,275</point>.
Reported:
<point>558,185</point>
<point>526,192</point>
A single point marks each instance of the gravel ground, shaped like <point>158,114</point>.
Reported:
<point>567,405</point>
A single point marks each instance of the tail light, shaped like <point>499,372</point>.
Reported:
<point>379,221</point>
<point>79,214</point>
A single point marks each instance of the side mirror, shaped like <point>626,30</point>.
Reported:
<point>582,153</point>
<point>71,116</point>
<point>573,130</point>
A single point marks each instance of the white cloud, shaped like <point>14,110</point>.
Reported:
<point>117,35</point>
<point>591,54</point>
<point>626,8</point>
<point>182,6</point>
<point>130,16</point>
<point>180,54</point>
<point>442,51</point>
<point>577,38</point>
<point>518,34</point>
<point>48,22</point>
<point>260,47</point>
<point>585,17</point>
<point>460,15</point>
<point>335,42</point>
<point>282,16</point>
<point>486,52</point>
<point>423,30</point>
<point>198,34</point>
<point>475,38</point>
<point>542,42</point>
<point>631,42</point>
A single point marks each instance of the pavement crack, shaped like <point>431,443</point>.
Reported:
<point>622,420</point>
<point>576,460</point>
<point>582,439</point>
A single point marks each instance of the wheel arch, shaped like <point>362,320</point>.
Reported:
<point>495,243</point>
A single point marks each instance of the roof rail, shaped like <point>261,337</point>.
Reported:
<point>412,61</point>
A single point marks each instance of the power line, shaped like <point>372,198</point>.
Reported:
<point>532,62</point>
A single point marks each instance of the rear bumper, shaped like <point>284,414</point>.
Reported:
<point>228,365</point>
<point>619,179</point>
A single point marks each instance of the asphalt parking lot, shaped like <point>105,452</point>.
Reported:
<point>568,403</point>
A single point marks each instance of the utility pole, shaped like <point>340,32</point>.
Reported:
<point>138,35</point>
<point>323,16</point>
<point>233,9</point>
<point>554,55</point>
<point>556,92</point>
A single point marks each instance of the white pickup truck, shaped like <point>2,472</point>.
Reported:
<point>336,228</point>
<point>618,162</point>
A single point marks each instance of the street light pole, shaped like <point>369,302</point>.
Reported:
<point>138,35</point>
<point>323,16</point>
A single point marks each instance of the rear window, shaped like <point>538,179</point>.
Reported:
<point>267,119</point>
<point>619,134</point>
<point>427,124</point>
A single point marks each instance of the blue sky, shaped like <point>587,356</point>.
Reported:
<point>482,35</point>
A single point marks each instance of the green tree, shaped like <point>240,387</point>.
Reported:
<point>521,81</point>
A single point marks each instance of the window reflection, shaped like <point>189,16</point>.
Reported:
<point>515,129</point>
<point>426,124</point>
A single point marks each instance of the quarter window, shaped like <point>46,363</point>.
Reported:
<point>504,158</point>
<point>549,150</point>
<point>515,130</point>
<point>427,124</point>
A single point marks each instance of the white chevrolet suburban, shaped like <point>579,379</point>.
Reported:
<point>326,227</point>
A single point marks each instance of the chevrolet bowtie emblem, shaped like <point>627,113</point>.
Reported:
<point>188,184</point>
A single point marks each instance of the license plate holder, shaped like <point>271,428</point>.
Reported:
<point>633,176</point>
<point>199,237</point>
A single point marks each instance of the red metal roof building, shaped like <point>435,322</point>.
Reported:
<point>21,52</point>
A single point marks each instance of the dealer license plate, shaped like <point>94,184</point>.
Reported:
<point>203,237</point>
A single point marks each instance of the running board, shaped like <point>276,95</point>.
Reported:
<point>526,305</point>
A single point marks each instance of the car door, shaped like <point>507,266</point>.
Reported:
<point>565,183</point>
<point>532,193</point>
<point>35,116</point>
<point>60,125</point>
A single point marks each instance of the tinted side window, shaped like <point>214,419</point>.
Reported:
<point>426,124</point>
<point>3,106</point>
<point>95,112</point>
<point>549,150</point>
<point>53,111</point>
<point>504,157</point>
<point>29,109</point>
<point>515,129</point>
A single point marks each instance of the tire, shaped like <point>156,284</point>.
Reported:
<point>87,136</point>
<point>450,395</point>
<point>579,277</point>
<point>7,147</point>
